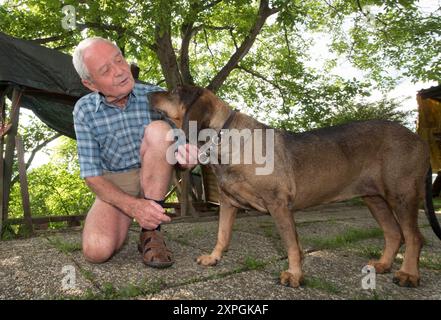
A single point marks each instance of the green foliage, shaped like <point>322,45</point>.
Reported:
<point>394,34</point>
<point>272,79</point>
<point>55,188</point>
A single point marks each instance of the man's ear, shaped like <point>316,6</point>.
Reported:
<point>89,85</point>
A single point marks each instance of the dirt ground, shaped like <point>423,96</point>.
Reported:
<point>338,240</point>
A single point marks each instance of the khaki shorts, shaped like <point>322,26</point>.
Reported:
<point>128,182</point>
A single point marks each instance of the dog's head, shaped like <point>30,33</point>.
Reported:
<point>187,103</point>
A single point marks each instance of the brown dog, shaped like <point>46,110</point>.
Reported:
<point>381,161</point>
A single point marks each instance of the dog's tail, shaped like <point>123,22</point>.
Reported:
<point>428,206</point>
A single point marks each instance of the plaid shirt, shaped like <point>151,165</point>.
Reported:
<point>108,137</point>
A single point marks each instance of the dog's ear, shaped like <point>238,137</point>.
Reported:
<point>197,105</point>
<point>188,95</point>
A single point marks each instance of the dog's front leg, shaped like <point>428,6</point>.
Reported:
<point>227,215</point>
<point>283,217</point>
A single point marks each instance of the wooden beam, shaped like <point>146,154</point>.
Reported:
<point>48,219</point>
<point>2,142</point>
<point>10,147</point>
<point>23,184</point>
<point>187,207</point>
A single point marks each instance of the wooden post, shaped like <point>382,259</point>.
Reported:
<point>184,194</point>
<point>186,204</point>
<point>9,153</point>
<point>24,184</point>
<point>2,124</point>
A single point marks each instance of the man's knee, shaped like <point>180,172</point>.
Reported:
<point>97,250</point>
<point>156,131</point>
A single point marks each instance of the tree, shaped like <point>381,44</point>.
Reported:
<point>35,136</point>
<point>55,188</point>
<point>245,50</point>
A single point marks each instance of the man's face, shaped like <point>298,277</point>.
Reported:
<point>109,72</point>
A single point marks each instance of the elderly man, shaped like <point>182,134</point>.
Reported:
<point>122,153</point>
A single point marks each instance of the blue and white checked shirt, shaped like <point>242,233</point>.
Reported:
<point>108,137</point>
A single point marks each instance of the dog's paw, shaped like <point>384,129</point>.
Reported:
<point>289,279</point>
<point>207,260</point>
<point>404,279</point>
<point>380,267</point>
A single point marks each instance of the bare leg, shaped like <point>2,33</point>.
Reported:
<point>105,230</point>
<point>155,177</point>
<point>155,170</point>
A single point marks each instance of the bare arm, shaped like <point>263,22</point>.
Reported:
<point>147,213</point>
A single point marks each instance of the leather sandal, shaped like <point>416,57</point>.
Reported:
<point>153,249</point>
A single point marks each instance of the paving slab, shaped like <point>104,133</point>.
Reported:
<point>32,268</point>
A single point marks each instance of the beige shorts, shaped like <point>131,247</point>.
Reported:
<point>128,182</point>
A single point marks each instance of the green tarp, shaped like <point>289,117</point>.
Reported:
<point>51,83</point>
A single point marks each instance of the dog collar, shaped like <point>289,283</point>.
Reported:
<point>217,139</point>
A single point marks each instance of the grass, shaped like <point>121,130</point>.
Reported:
<point>370,252</point>
<point>321,284</point>
<point>269,230</point>
<point>252,263</point>
<point>64,246</point>
<point>426,261</point>
<point>342,240</point>
<point>108,291</point>
<point>355,201</point>
<point>181,239</point>
<point>437,203</point>
<point>430,262</point>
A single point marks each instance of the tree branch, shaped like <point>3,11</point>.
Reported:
<point>262,77</point>
<point>166,53</point>
<point>52,39</point>
<point>187,31</point>
<point>211,4</point>
<point>264,12</point>
<point>34,152</point>
<point>100,26</point>
<point>360,8</point>
<point>208,47</point>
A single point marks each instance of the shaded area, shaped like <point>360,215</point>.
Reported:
<point>338,240</point>
<point>51,83</point>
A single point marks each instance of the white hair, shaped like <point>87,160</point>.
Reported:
<point>78,55</point>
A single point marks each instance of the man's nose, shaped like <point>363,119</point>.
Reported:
<point>118,70</point>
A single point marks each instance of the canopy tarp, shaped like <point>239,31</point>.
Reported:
<point>50,82</point>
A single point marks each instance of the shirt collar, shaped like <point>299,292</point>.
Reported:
<point>101,100</point>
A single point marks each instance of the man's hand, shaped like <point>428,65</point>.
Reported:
<point>148,213</point>
<point>187,156</point>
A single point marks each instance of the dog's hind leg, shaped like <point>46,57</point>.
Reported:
<point>227,215</point>
<point>287,230</point>
<point>405,206</point>
<point>391,230</point>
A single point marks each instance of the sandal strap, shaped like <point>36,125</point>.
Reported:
<point>153,246</point>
